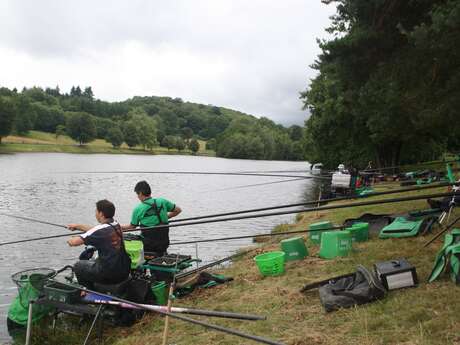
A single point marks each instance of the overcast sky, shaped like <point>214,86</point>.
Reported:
<point>248,55</point>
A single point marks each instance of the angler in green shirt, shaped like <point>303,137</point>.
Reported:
<point>152,212</point>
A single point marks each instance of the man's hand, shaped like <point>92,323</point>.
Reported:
<point>174,212</point>
<point>72,227</point>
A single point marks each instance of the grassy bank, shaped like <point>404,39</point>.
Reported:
<point>36,141</point>
<point>424,315</point>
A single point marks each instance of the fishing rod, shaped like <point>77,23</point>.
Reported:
<point>179,317</point>
<point>181,310</point>
<point>313,202</point>
<point>258,184</point>
<point>256,236</point>
<point>410,165</point>
<point>304,210</point>
<point>196,173</point>
<point>32,220</point>
<point>214,263</point>
<point>441,232</point>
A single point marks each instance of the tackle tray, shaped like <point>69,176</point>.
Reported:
<point>55,291</point>
<point>169,260</point>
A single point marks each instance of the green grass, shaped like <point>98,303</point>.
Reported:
<point>36,141</point>
<point>426,315</point>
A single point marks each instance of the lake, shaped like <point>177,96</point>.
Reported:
<point>63,188</point>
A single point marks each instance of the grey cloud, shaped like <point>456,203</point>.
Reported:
<point>264,46</point>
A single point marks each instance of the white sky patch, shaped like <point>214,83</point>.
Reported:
<point>251,56</point>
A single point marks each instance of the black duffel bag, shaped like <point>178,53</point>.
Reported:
<point>358,288</point>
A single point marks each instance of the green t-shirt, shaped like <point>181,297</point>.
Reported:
<point>144,215</point>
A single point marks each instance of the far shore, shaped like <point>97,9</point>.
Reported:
<point>46,142</point>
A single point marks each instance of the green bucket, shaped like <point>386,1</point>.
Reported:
<point>135,250</point>
<point>359,232</point>
<point>294,248</point>
<point>271,263</point>
<point>335,243</point>
<point>160,292</point>
<point>315,234</point>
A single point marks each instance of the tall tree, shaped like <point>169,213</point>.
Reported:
<point>7,115</point>
<point>115,136</point>
<point>81,127</point>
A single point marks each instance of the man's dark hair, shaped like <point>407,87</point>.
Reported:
<point>143,187</point>
<point>106,207</point>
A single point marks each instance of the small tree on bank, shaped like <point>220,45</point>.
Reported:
<point>194,145</point>
<point>115,137</point>
<point>81,127</point>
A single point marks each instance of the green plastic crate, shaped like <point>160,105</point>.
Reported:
<point>54,291</point>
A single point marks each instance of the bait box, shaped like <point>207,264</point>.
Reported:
<point>54,291</point>
<point>396,274</point>
<point>169,260</point>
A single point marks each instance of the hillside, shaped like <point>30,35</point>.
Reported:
<point>149,122</point>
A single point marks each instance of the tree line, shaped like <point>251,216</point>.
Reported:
<point>144,121</point>
<point>388,87</point>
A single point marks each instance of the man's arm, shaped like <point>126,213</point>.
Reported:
<point>75,241</point>
<point>174,212</point>
<point>82,227</point>
<point>126,227</point>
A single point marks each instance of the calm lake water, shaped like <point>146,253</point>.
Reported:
<point>63,188</point>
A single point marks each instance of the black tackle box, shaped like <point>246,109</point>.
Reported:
<point>396,274</point>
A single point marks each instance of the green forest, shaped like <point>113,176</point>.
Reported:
<point>147,122</point>
<point>388,83</point>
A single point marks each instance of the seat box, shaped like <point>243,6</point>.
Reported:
<point>396,274</point>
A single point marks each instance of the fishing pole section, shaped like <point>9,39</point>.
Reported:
<point>270,214</point>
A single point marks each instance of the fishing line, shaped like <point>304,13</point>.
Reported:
<point>313,202</point>
<point>409,165</point>
<point>256,184</point>
<point>256,236</point>
<point>304,210</point>
<point>195,173</point>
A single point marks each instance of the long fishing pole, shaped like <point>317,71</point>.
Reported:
<point>304,210</point>
<point>312,202</point>
<point>258,184</point>
<point>32,220</point>
<point>257,235</point>
<point>214,263</point>
<point>410,165</point>
<point>179,317</point>
<point>441,232</point>
<point>182,310</point>
<point>196,173</point>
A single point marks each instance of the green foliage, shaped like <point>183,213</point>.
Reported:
<point>211,144</point>
<point>194,145</point>
<point>7,116</point>
<point>25,115</point>
<point>387,88</point>
<point>169,141</point>
<point>60,131</point>
<point>147,121</point>
<point>180,144</point>
<point>81,127</point>
<point>131,134</point>
<point>114,136</point>
<point>256,139</point>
